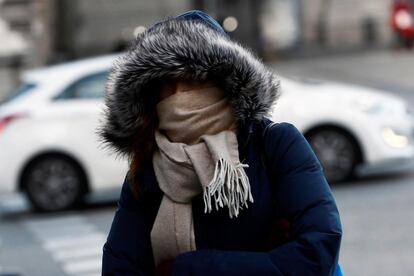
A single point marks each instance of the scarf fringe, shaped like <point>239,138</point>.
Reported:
<point>230,187</point>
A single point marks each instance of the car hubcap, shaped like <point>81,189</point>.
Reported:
<point>53,183</point>
<point>335,152</point>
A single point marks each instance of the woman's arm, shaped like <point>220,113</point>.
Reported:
<point>304,199</point>
<point>127,250</point>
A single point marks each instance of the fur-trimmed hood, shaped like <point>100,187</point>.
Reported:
<point>185,49</point>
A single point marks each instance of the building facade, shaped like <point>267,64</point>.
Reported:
<point>61,30</point>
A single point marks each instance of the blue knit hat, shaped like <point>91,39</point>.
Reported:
<point>196,15</point>
<point>203,18</point>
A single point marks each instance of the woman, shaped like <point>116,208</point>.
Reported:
<point>214,188</point>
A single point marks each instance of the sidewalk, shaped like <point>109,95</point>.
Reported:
<point>388,70</point>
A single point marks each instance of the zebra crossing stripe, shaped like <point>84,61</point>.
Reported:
<point>90,274</point>
<point>72,242</point>
<point>73,253</point>
<point>93,238</point>
<point>82,266</point>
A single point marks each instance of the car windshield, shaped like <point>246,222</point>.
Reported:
<point>21,90</point>
<point>304,80</point>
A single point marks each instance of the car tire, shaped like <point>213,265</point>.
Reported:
<point>337,152</point>
<point>54,183</point>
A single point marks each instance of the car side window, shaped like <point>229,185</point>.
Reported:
<point>89,87</point>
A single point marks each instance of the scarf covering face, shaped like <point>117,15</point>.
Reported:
<point>197,154</point>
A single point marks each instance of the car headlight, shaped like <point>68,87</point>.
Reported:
<point>394,139</point>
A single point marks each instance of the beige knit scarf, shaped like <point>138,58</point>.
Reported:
<point>197,153</point>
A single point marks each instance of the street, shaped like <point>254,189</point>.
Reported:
<point>376,211</point>
<point>376,214</point>
<point>68,243</point>
<point>378,223</point>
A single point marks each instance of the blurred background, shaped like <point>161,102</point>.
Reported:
<point>346,68</point>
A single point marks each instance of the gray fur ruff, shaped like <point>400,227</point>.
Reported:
<point>182,49</point>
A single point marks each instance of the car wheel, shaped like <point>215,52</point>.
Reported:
<point>337,152</point>
<point>54,183</point>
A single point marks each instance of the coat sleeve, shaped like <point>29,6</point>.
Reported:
<point>127,250</point>
<point>304,198</point>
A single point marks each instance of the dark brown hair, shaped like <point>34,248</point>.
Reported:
<point>142,151</point>
<point>144,145</point>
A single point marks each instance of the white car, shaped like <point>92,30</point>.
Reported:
<point>49,148</point>
<point>48,143</point>
<point>353,130</point>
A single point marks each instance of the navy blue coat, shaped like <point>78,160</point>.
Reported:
<point>287,181</point>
